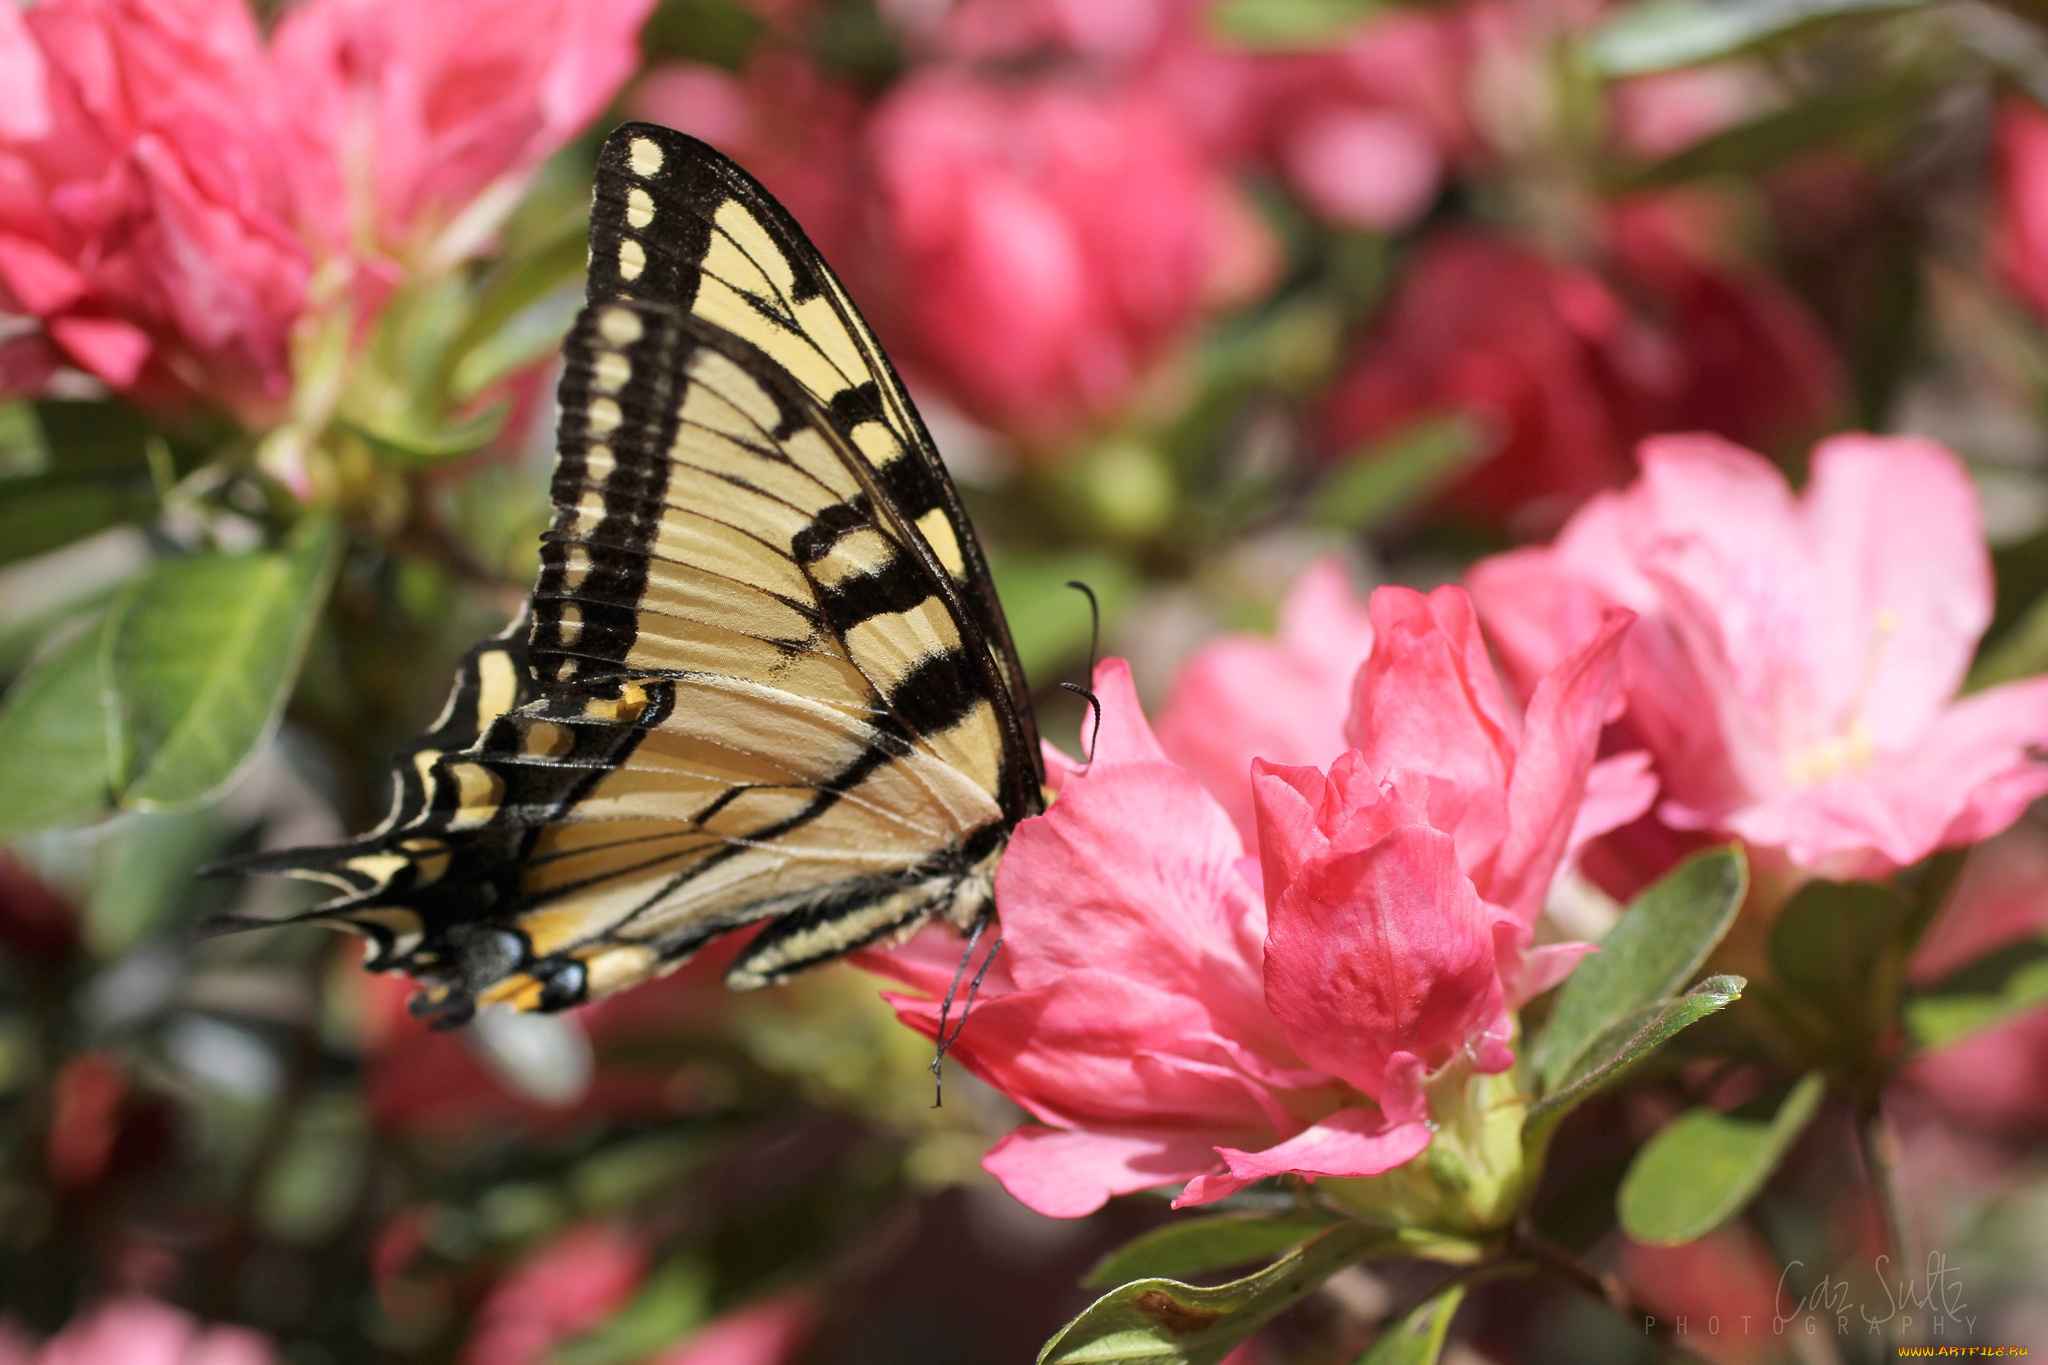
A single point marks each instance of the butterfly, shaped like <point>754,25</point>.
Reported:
<point>763,677</point>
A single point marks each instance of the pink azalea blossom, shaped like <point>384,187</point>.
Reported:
<point>1796,666</point>
<point>1159,1033</point>
<point>1085,218</point>
<point>1367,131</point>
<point>141,1331</point>
<point>570,1285</point>
<point>145,210</point>
<point>764,1333</point>
<point>1519,795</point>
<point>416,127</point>
<point>1127,1010</point>
<point>1242,697</point>
<point>2020,234</point>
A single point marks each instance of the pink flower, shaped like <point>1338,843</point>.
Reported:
<point>1756,366</point>
<point>1127,1010</point>
<point>2020,234</point>
<point>416,127</point>
<point>1517,794</point>
<point>1143,1013</point>
<point>1563,377</point>
<point>569,1286</point>
<point>1243,697</point>
<point>1566,376</point>
<point>795,129</point>
<point>1367,131</point>
<point>1996,1079</point>
<point>1795,670</point>
<point>145,213</point>
<point>1657,115</point>
<point>140,1331</point>
<point>764,1333</point>
<point>1086,220</point>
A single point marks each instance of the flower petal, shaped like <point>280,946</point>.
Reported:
<point>1351,1142</point>
<point>1064,1174</point>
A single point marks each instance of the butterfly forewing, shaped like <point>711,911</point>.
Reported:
<point>765,677</point>
<point>673,221</point>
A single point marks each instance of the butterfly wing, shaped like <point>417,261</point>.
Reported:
<point>764,678</point>
<point>674,221</point>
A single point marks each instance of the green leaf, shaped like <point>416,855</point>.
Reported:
<point>1198,1244</point>
<point>1418,1338</point>
<point>1865,119</point>
<point>54,767</point>
<point>1268,25</point>
<point>672,1301</point>
<point>2020,652</point>
<point>1649,955</point>
<point>199,657</point>
<point>1624,1044</point>
<point>1663,34</point>
<point>1702,1170</point>
<point>68,469</point>
<point>1838,952</point>
<point>1397,472</point>
<point>1988,992</point>
<point>39,515</point>
<point>410,442</point>
<point>145,872</point>
<point>1165,1322</point>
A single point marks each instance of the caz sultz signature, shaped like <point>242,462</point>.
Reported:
<point>1933,1302</point>
<point>1936,1297</point>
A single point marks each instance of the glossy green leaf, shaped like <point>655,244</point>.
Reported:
<point>1838,953</point>
<point>1982,995</point>
<point>1703,1169</point>
<point>54,723</point>
<point>1165,1322</point>
<point>1195,1245</point>
<point>199,657</point>
<point>1626,1043</point>
<point>1649,955</point>
<point>1418,1338</point>
<point>1287,24</point>
<point>1663,34</point>
<point>145,872</point>
<point>1398,472</point>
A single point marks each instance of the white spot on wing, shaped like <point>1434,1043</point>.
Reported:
<point>611,372</point>
<point>604,415</point>
<point>639,207</point>
<point>619,326</point>
<point>644,157</point>
<point>632,259</point>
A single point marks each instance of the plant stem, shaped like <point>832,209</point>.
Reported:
<point>1876,1144</point>
<point>1552,1259</point>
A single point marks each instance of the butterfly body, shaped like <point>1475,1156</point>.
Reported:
<point>763,677</point>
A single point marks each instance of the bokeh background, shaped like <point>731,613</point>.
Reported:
<point>1191,292</point>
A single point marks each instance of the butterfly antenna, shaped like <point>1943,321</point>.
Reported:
<point>1094,650</point>
<point>1094,623</point>
<point>1095,705</point>
<point>946,1040</point>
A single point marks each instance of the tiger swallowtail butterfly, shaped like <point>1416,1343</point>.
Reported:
<point>763,677</point>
